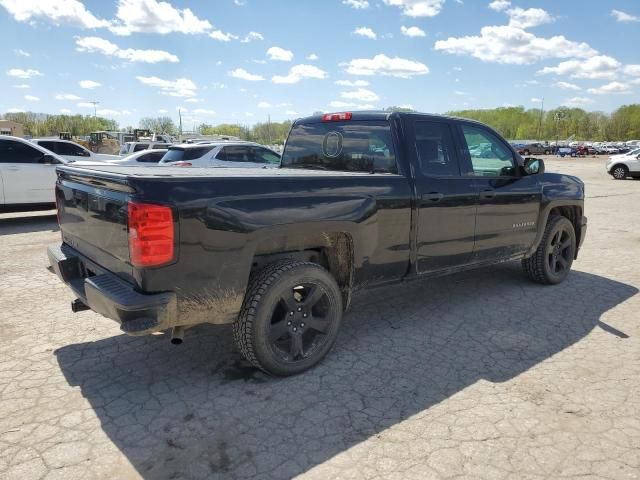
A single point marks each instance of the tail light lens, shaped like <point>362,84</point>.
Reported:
<point>151,234</point>
<point>182,164</point>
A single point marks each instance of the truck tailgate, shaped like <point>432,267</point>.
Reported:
<point>92,213</point>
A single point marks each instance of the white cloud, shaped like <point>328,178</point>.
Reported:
<point>611,88</point>
<point>352,83</point>
<point>499,5</point>
<point>16,110</point>
<point>31,98</point>
<point>162,110</point>
<point>21,52</point>
<point>365,32</point>
<point>181,87</point>
<point>417,8</point>
<point>89,84</point>
<point>596,67</point>
<point>312,57</point>
<point>412,32</point>
<point>264,105</point>
<point>461,93</point>
<point>20,73</point>
<point>577,101</point>
<point>291,112</point>
<point>240,3</point>
<point>361,95</point>
<point>299,72</point>
<point>218,85</point>
<point>153,16</point>
<point>67,96</point>
<point>85,105</point>
<point>536,100</point>
<point>107,112</point>
<point>513,45</point>
<point>248,114</point>
<point>251,36</point>
<point>383,65</point>
<point>22,86</point>
<point>357,4</point>
<point>204,111</point>
<point>633,70</point>
<point>277,53</point>
<point>65,110</point>
<point>69,12</point>
<point>222,36</point>
<point>621,16</point>
<point>193,100</point>
<point>532,17</point>
<point>351,105</point>
<point>567,86</point>
<point>242,74</point>
<point>110,49</point>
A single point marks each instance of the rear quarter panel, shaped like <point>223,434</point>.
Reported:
<point>224,222</point>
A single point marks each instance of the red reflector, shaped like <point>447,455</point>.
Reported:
<point>336,117</point>
<point>150,234</point>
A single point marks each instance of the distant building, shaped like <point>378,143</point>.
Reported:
<point>7,127</point>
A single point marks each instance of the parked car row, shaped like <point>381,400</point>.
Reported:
<point>27,167</point>
<point>624,165</point>
<point>573,149</point>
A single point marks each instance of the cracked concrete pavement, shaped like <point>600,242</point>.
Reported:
<point>481,375</point>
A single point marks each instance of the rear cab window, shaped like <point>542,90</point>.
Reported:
<point>350,146</point>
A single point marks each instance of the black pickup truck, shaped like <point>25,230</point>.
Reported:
<point>361,200</point>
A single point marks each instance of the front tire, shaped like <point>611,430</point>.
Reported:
<point>290,317</point>
<point>551,262</point>
<point>620,172</point>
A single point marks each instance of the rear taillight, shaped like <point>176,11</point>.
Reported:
<point>182,164</point>
<point>336,117</point>
<point>151,234</point>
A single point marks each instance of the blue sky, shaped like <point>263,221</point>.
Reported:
<point>241,60</point>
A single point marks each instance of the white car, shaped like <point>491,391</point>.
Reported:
<point>625,165</point>
<point>72,151</point>
<point>221,154</point>
<point>142,158</point>
<point>28,174</point>
<point>128,148</point>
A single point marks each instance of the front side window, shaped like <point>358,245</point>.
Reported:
<point>51,146</point>
<point>262,155</point>
<point>140,146</point>
<point>363,146</point>
<point>17,152</point>
<point>178,154</point>
<point>435,149</point>
<point>490,157</point>
<point>71,149</point>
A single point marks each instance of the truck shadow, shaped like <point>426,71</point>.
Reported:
<point>198,411</point>
<point>28,224</point>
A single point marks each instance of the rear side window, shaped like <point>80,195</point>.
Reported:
<point>179,154</point>
<point>435,149</point>
<point>52,146</point>
<point>140,146</point>
<point>235,154</point>
<point>262,155</point>
<point>17,152</point>
<point>153,157</point>
<point>364,146</point>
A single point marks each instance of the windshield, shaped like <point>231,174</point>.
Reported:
<point>364,146</point>
<point>176,154</point>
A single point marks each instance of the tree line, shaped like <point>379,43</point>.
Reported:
<point>514,123</point>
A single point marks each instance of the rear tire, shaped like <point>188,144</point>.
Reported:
<point>551,262</point>
<point>290,317</point>
<point>620,172</point>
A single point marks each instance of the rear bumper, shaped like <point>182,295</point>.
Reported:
<point>107,294</point>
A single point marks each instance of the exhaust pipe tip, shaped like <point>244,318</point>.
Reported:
<point>177,335</point>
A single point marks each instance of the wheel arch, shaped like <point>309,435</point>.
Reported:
<point>571,210</point>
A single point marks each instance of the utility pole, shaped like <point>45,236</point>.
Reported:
<point>269,128</point>
<point>180,127</point>
<point>540,120</point>
<point>95,111</point>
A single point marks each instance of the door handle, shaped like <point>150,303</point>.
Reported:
<point>433,196</point>
<point>487,194</point>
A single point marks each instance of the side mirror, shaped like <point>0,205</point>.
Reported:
<point>48,159</point>
<point>533,166</point>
